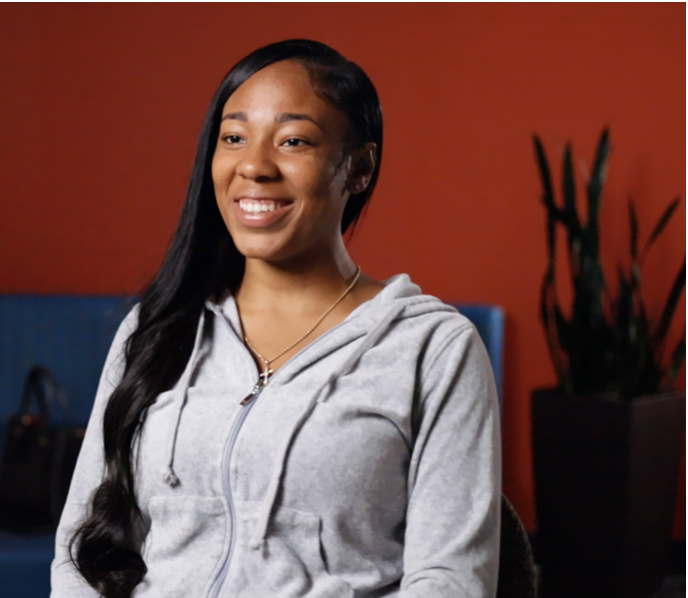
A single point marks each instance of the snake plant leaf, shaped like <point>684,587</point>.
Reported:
<point>659,227</point>
<point>563,327</point>
<point>636,278</point>
<point>545,289</point>
<point>670,307</point>
<point>625,294</point>
<point>597,179</point>
<point>625,373</point>
<point>642,312</point>
<point>641,350</point>
<point>569,187</point>
<point>678,356</point>
<point>633,219</point>
<point>545,176</point>
<point>599,169</point>
<point>547,300</point>
<point>551,238</point>
<point>590,284</point>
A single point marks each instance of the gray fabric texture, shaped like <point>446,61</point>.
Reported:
<point>369,466</point>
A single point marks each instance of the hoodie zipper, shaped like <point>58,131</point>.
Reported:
<point>238,422</point>
<point>245,405</point>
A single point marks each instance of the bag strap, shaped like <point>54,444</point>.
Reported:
<point>37,382</point>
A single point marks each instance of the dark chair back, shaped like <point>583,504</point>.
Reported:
<point>517,574</point>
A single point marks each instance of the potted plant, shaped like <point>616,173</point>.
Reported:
<point>607,441</point>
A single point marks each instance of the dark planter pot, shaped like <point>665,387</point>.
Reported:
<point>606,480</point>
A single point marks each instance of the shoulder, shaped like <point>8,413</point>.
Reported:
<point>126,328</point>
<point>449,337</point>
<point>114,363</point>
<point>419,314</point>
<point>130,322</point>
<point>428,334</point>
<point>423,328</point>
<point>429,318</point>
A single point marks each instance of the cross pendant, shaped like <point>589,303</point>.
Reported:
<point>265,376</point>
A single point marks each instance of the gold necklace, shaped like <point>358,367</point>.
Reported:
<point>264,376</point>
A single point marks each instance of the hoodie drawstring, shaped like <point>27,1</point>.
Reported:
<point>320,397</point>
<point>180,393</point>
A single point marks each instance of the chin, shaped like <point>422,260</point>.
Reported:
<point>268,252</point>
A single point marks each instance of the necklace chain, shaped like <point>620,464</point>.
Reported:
<point>266,362</point>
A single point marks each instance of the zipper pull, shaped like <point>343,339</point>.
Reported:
<point>250,396</point>
<point>260,385</point>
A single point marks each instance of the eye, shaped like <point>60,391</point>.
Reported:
<point>232,139</point>
<point>294,142</point>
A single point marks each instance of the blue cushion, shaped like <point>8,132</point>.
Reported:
<point>68,335</point>
<point>25,565</point>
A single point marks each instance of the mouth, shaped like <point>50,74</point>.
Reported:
<point>261,212</point>
<point>259,206</point>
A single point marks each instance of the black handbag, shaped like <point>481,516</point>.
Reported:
<point>38,458</point>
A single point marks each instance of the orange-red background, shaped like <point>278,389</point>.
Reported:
<point>101,106</point>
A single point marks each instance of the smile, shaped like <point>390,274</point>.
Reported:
<point>253,206</point>
<point>261,212</point>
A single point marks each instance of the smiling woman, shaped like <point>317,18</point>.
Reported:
<point>280,166</point>
<point>270,420</point>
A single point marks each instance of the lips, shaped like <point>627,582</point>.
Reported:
<point>257,206</point>
<point>261,211</point>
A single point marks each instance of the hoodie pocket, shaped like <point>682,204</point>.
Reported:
<point>288,565</point>
<point>184,545</point>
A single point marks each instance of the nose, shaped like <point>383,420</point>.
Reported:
<point>257,162</point>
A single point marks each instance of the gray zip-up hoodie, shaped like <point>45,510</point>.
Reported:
<point>369,466</point>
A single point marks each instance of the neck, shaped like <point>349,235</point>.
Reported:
<point>299,285</point>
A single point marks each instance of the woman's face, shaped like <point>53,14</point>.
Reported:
<point>280,170</point>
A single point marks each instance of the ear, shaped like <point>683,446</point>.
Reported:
<point>362,167</point>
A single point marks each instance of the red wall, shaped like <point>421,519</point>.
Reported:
<point>101,106</point>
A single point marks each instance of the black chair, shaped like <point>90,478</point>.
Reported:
<point>517,574</point>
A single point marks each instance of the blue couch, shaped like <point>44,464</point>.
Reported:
<point>71,336</point>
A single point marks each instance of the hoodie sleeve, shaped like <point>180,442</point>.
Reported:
<point>66,582</point>
<point>453,515</point>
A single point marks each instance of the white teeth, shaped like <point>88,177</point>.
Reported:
<point>256,207</point>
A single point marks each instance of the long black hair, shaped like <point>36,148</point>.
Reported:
<point>202,262</point>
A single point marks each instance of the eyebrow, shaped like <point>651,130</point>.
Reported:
<point>287,116</point>
<point>282,118</point>
<point>236,116</point>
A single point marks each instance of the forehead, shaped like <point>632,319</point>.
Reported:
<point>281,87</point>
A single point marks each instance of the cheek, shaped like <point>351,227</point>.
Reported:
<point>331,188</point>
<point>220,176</point>
<point>338,181</point>
<point>217,171</point>
<point>319,180</point>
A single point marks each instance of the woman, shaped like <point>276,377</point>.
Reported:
<point>270,421</point>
